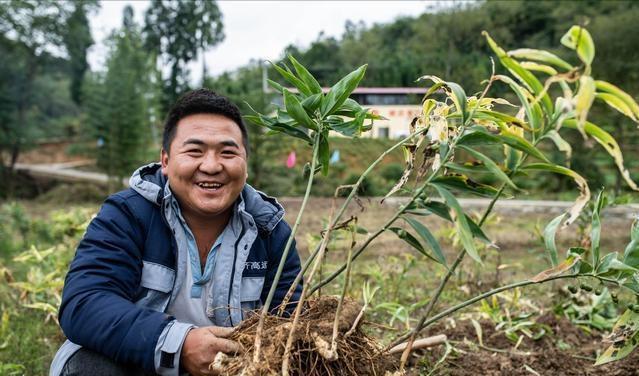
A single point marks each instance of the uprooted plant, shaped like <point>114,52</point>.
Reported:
<point>458,138</point>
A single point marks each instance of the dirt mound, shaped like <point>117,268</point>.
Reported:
<point>568,350</point>
<point>357,354</point>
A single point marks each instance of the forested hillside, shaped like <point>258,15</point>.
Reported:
<point>448,43</point>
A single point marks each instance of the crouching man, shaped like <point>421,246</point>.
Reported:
<point>169,265</point>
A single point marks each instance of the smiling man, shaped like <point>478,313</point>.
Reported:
<point>169,265</point>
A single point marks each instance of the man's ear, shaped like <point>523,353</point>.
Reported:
<point>164,159</point>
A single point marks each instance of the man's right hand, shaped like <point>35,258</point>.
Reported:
<point>202,344</point>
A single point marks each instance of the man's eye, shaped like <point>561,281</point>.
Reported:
<point>193,151</point>
<point>228,152</point>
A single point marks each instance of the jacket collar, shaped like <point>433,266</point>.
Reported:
<point>149,182</point>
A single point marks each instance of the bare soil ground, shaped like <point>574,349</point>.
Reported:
<point>498,357</point>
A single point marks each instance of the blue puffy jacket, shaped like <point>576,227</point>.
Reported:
<point>128,267</point>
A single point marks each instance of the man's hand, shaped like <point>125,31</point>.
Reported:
<point>201,345</point>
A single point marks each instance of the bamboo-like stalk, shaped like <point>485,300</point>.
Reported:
<point>341,211</point>
<point>347,279</point>
<point>289,242</point>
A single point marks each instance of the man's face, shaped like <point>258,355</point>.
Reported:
<point>206,164</point>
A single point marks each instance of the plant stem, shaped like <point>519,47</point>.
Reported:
<point>485,295</point>
<point>344,290</point>
<point>289,243</point>
<point>341,211</point>
<point>449,273</point>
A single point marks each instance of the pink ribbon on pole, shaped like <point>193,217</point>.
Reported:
<point>290,161</point>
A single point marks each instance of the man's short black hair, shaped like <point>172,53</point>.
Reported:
<point>201,101</point>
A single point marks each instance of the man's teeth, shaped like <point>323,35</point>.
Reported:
<point>210,185</point>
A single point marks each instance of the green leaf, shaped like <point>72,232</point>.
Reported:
<point>609,143</point>
<point>549,238</point>
<point>539,55</point>
<point>291,131</point>
<point>339,92</point>
<point>490,165</point>
<point>561,144</point>
<point>441,210</point>
<point>609,265</point>
<point>312,102</point>
<point>295,110</point>
<point>468,168</point>
<point>595,231</point>
<point>412,241</point>
<point>626,98</point>
<point>306,76</point>
<point>290,77</point>
<point>279,88</point>
<point>631,253</point>
<point>481,136</point>
<point>579,39</point>
<point>426,235</point>
<point>532,110</point>
<point>459,218</point>
<point>464,184</point>
<point>584,190</point>
<point>324,153</point>
<point>624,337</point>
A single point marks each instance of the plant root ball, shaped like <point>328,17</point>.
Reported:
<point>357,354</point>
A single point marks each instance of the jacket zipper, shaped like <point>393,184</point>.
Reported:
<point>233,271</point>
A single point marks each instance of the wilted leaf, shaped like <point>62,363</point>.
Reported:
<point>557,270</point>
<point>459,218</point>
<point>409,157</point>
<point>549,238</point>
<point>623,337</point>
<point>616,103</point>
<point>455,93</point>
<point>579,39</point>
<point>609,143</point>
<point>584,190</point>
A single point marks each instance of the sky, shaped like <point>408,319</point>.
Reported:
<point>262,29</point>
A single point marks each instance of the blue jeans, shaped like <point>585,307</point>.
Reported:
<point>90,363</point>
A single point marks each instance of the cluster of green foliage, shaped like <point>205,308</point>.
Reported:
<point>34,258</point>
<point>460,138</point>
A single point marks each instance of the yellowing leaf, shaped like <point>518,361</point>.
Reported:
<point>584,190</point>
<point>609,143</point>
<point>616,103</point>
<point>539,55</point>
<point>583,101</point>
<point>532,66</point>
<point>579,39</point>
<point>609,88</point>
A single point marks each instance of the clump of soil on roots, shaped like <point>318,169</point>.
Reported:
<point>357,353</point>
